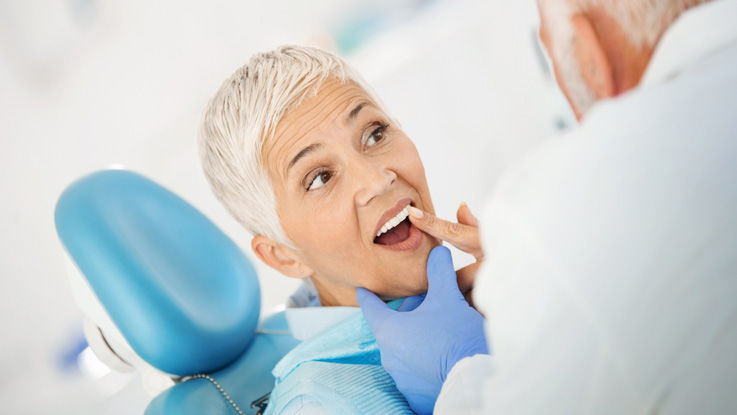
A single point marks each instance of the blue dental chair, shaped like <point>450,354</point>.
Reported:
<point>167,294</point>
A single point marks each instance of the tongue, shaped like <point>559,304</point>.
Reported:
<point>395,235</point>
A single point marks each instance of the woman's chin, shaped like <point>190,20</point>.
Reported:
<point>417,285</point>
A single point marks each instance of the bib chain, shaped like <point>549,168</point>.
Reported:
<point>220,388</point>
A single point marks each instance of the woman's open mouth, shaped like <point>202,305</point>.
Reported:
<point>398,233</point>
<point>395,235</point>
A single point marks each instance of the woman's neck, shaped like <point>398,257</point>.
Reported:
<point>332,295</point>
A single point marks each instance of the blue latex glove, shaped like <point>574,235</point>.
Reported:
<point>420,344</point>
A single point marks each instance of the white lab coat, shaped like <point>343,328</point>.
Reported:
<point>610,284</point>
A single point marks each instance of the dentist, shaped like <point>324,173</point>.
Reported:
<point>609,275</point>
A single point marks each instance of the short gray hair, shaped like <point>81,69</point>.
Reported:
<point>244,114</point>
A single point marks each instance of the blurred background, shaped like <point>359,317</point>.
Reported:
<point>90,84</point>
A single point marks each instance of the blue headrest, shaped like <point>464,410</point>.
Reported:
<point>180,291</point>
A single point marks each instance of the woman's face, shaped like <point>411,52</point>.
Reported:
<point>341,170</point>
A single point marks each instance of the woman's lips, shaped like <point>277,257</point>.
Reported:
<point>390,213</point>
<point>413,241</point>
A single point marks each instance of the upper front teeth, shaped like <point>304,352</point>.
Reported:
<point>394,221</point>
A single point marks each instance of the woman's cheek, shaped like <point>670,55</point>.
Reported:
<point>329,227</point>
<point>410,159</point>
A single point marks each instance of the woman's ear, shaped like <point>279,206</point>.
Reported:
<point>280,257</point>
<point>593,63</point>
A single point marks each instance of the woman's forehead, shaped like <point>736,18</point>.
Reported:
<point>329,107</point>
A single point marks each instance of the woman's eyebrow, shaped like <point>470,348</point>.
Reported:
<point>354,112</point>
<point>302,153</point>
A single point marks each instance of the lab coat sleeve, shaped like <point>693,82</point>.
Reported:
<point>530,370</point>
<point>463,388</point>
<point>609,277</point>
<point>529,309</point>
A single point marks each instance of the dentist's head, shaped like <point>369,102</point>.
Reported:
<point>601,48</point>
<point>305,156</point>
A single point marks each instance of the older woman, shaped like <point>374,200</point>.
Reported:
<point>304,155</point>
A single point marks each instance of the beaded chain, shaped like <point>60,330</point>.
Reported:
<point>220,388</point>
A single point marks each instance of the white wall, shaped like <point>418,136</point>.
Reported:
<point>87,84</point>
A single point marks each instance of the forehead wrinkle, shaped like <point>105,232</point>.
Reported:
<point>314,117</point>
<point>316,112</point>
<point>339,89</point>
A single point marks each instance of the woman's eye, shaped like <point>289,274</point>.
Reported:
<point>376,135</point>
<point>320,180</point>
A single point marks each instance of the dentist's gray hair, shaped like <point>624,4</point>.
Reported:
<point>643,21</point>
<point>243,115</point>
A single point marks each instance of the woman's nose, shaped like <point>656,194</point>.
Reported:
<point>372,182</point>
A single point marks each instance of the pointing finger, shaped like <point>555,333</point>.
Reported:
<point>465,237</point>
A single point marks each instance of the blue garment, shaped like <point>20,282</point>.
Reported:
<point>341,369</point>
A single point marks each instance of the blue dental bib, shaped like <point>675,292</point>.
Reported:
<point>340,368</point>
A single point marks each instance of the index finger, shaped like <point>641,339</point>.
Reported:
<point>464,237</point>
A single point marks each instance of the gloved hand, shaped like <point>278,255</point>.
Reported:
<point>419,347</point>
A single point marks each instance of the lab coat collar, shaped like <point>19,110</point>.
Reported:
<point>699,32</point>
